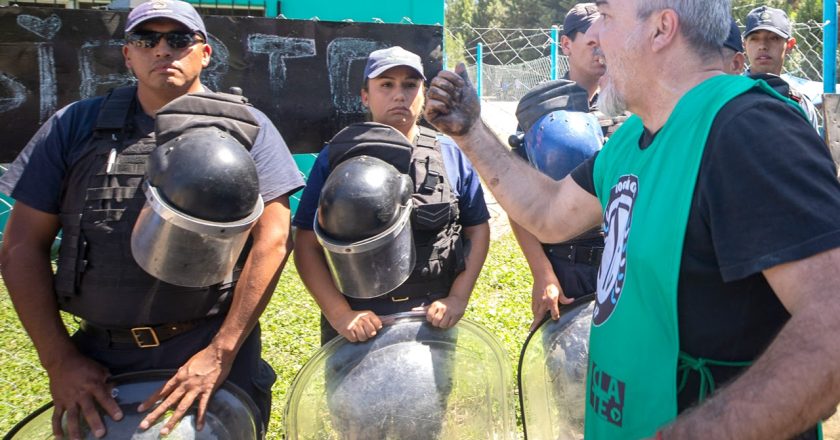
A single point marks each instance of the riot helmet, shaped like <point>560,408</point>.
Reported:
<point>561,140</point>
<point>560,94</point>
<point>202,192</point>
<point>559,133</point>
<point>363,224</point>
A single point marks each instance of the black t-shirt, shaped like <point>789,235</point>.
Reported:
<point>766,194</point>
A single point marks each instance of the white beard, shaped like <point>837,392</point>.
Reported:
<point>610,101</point>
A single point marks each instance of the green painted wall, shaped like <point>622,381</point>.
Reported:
<point>418,11</point>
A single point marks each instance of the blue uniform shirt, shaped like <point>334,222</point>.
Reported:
<point>463,180</point>
<point>37,175</point>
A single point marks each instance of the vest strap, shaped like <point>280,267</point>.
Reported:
<point>113,116</point>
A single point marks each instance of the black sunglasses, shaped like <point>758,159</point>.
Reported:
<point>175,39</point>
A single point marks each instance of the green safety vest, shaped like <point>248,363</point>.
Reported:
<point>634,342</point>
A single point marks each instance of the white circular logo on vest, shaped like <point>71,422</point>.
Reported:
<point>611,274</point>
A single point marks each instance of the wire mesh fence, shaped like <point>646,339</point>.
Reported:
<point>516,60</point>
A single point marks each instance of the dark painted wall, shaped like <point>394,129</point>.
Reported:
<point>305,75</point>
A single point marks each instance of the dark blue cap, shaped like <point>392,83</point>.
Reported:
<point>768,19</point>
<point>579,18</point>
<point>176,10</point>
<point>383,59</point>
<point>733,41</point>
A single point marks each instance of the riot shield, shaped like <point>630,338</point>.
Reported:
<point>552,374</point>
<point>231,414</point>
<point>411,381</point>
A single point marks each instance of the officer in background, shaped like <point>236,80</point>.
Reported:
<point>83,172</point>
<point>768,40</point>
<point>734,58</point>
<point>580,47</point>
<point>451,233</point>
<point>564,271</point>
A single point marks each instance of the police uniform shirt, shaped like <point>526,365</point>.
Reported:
<point>463,179</point>
<point>37,175</point>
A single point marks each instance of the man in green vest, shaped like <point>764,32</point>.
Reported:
<point>718,298</point>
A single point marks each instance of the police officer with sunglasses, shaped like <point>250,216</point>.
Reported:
<point>83,172</point>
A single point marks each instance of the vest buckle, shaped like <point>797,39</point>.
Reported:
<point>145,337</point>
<point>431,181</point>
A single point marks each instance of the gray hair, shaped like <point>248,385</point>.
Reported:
<point>704,23</point>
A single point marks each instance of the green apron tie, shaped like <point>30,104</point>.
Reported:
<point>687,363</point>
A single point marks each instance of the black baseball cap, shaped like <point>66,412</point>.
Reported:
<point>768,19</point>
<point>579,18</point>
<point>733,40</point>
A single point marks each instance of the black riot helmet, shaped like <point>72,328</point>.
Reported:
<point>362,197</point>
<point>207,174</point>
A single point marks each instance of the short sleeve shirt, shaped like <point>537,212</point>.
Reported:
<point>37,175</point>
<point>463,179</point>
<point>766,194</point>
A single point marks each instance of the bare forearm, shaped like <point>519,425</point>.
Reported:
<point>271,247</point>
<point>28,278</point>
<point>529,197</point>
<point>532,250</point>
<point>312,267</point>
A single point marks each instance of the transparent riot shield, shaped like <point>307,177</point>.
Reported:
<point>411,381</point>
<point>231,414</point>
<point>552,374</point>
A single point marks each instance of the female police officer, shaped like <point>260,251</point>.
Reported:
<point>394,95</point>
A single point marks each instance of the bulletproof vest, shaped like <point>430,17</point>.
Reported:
<point>437,235</point>
<point>97,278</point>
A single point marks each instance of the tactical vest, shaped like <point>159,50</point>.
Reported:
<point>97,278</point>
<point>438,242</point>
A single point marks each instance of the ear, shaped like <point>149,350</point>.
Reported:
<point>667,25</point>
<point>565,42</point>
<point>126,57</point>
<point>790,43</point>
<point>364,97</point>
<point>206,51</point>
<point>739,62</point>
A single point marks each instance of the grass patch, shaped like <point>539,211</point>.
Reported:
<point>291,335</point>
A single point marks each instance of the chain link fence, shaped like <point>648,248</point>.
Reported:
<point>516,60</point>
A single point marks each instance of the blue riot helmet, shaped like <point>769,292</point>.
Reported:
<point>561,140</point>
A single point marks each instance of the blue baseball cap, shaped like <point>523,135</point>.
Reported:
<point>176,10</point>
<point>733,40</point>
<point>768,19</point>
<point>383,59</point>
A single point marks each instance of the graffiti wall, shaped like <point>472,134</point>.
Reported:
<point>305,75</point>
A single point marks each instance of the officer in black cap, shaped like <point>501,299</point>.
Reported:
<point>579,47</point>
<point>85,173</point>
<point>768,39</point>
<point>734,59</point>
<point>449,219</point>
